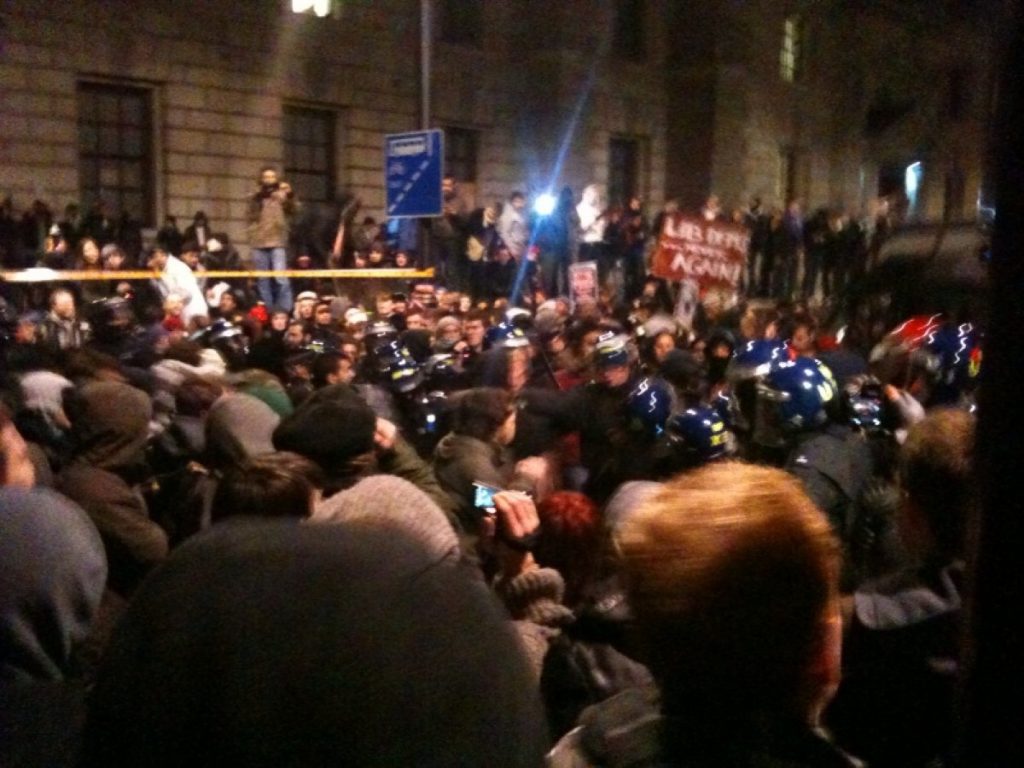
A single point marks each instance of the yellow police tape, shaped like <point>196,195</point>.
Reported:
<point>44,275</point>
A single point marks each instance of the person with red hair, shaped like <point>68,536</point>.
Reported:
<point>588,661</point>
<point>571,540</point>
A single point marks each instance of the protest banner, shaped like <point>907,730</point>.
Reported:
<point>583,283</point>
<point>712,254</point>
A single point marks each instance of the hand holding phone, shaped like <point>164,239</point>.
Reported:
<point>483,497</point>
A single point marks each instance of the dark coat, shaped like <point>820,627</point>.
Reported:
<point>610,450</point>
<point>110,423</point>
<point>629,731</point>
<point>460,460</point>
<point>834,466</point>
<point>895,705</point>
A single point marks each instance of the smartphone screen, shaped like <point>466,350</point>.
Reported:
<point>483,496</point>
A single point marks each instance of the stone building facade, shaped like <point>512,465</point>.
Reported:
<point>227,87</point>
<point>172,106</point>
<point>874,87</point>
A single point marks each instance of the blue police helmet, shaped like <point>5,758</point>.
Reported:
<point>649,404</point>
<point>612,350</point>
<point>441,373</point>
<point>378,334</point>
<point>519,318</point>
<point>700,435</point>
<point>397,369</point>
<point>754,359</point>
<point>229,341</point>
<point>952,356</point>
<point>506,335</point>
<point>727,408</point>
<point>799,390</point>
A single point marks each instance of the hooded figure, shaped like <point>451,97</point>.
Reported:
<point>239,427</point>
<point>52,579</point>
<point>277,643</point>
<point>109,429</point>
<point>51,582</point>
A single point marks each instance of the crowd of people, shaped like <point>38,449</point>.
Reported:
<point>502,249</point>
<point>298,525</point>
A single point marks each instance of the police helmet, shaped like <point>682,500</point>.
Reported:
<point>506,336</point>
<point>397,369</point>
<point>378,334</point>
<point>699,435</point>
<point>797,394</point>
<point>754,359</point>
<point>229,341</point>
<point>649,404</point>
<point>612,350</point>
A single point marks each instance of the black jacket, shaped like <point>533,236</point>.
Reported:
<point>895,705</point>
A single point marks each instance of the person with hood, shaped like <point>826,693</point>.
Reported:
<point>51,584</point>
<point>238,428</point>
<point>109,430</point>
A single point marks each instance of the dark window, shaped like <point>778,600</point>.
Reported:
<point>623,170</point>
<point>955,194</point>
<point>462,21</point>
<point>629,40</point>
<point>787,174</point>
<point>460,152</point>
<point>956,97</point>
<point>115,149</point>
<point>884,112</point>
<point>309,153</point>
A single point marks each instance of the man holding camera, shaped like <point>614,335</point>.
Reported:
<point>271,210</point>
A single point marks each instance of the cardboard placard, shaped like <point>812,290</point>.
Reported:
<point>583,283</point>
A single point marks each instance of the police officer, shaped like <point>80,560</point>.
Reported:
<point>599,412</point>
<point>798,408</point>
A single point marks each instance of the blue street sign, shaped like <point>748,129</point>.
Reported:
<point>413,165</point>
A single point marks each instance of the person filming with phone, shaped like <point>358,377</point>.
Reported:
<point>475,453</point>
<point>271,209</point>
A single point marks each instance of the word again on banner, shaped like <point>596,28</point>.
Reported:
<point>712,254</point>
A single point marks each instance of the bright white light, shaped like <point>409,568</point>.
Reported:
<point>544,205</point>
<point>912,182</point>
<point>320,8</point>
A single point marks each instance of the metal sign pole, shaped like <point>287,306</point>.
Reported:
<point>426,50</point>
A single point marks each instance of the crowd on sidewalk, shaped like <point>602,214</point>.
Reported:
<point>441,523</point>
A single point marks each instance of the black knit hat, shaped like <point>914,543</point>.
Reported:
<point>330,432</point>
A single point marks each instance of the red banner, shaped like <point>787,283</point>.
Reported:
<point>710,253</point>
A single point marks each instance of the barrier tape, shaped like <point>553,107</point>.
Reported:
<point>43,275</point>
